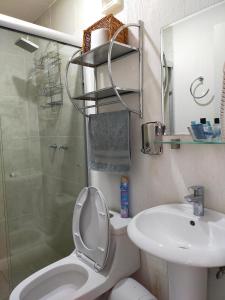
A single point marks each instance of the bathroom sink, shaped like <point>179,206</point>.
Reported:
<point>173,233</point>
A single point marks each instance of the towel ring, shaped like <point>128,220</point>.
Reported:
<point>193,90</point>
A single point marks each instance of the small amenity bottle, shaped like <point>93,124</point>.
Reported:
<point>207,128</point>
<point>124,197</point>
<point>197,131</point>
<point>216,130</point>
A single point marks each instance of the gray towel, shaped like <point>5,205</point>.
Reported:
<point>109,138</point>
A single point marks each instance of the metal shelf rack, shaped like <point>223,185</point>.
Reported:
<point>106,54</point>
<point>99,55</point>
<point>105,93</point>
<point>51,86</point>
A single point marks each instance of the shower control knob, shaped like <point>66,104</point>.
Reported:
<point>63,147</point>
<point>12,174</point>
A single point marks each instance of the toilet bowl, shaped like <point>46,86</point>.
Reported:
<point>103,255</point>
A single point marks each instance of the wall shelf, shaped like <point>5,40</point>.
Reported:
<point>52,104</point>
<point>192,142</point>
<point>99,55</point>
<point>105,93</point>
<point>176,143</point>
<point>106,54</point>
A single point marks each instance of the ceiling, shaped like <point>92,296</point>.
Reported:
<point>28,10</point>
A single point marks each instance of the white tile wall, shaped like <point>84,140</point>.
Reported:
<point>156,180</point>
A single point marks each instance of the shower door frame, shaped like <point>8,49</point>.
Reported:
<point>37,30</point>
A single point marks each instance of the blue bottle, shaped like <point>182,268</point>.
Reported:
<point>207,128</point>
<point>124,197</point>
<point>198,131</point>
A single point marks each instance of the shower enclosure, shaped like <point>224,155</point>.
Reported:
<point>42,155</point>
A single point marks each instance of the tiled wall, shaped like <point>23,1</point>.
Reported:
<point>153,180</point>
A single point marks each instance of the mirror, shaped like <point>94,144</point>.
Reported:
<point>193,57</point>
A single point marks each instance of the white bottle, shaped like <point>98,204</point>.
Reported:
<point>216,130</point>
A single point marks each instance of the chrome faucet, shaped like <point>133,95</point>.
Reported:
<point>197,198</point>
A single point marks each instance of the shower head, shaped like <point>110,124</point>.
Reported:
<point>26,45</point>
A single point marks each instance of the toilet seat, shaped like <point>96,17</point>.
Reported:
<point>91,230</point>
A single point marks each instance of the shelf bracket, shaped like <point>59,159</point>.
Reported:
<point>175,144</point>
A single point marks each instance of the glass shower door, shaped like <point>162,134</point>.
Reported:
<point>43,160</point>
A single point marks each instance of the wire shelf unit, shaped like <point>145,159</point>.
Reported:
<point>51,85</point>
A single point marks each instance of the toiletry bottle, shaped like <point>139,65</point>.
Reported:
<point>216,129</point>
<point>197,131</point>
<point>207,128</point>
<point>124,201</point>
<point>210,130</point>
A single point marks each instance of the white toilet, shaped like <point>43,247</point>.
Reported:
<point>130,289</point>
<point>103,256</point>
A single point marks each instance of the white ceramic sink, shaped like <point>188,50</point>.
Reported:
<point>173,233</point>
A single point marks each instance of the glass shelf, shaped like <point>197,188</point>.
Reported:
<point>105,93</point>
<point>99,55</point>
<point>182,142</point>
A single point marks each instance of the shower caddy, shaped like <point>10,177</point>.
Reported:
<point>105,54</point>
<point>52,87</point>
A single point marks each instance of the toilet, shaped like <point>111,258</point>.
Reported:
<point>130,289</point>
<point>103,256</point>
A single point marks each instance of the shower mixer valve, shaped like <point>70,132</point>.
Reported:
<point>63,147</point>
<point>60,147</point>
<point>53,146</point>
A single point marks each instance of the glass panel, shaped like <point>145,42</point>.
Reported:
<point>4,253</point>
<point>43,160</point>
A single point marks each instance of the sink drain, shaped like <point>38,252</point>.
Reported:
<point>192,223</point>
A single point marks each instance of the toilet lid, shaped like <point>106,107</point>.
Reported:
<point>91,227</point>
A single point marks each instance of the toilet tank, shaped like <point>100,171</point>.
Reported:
<point>124,256</point>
